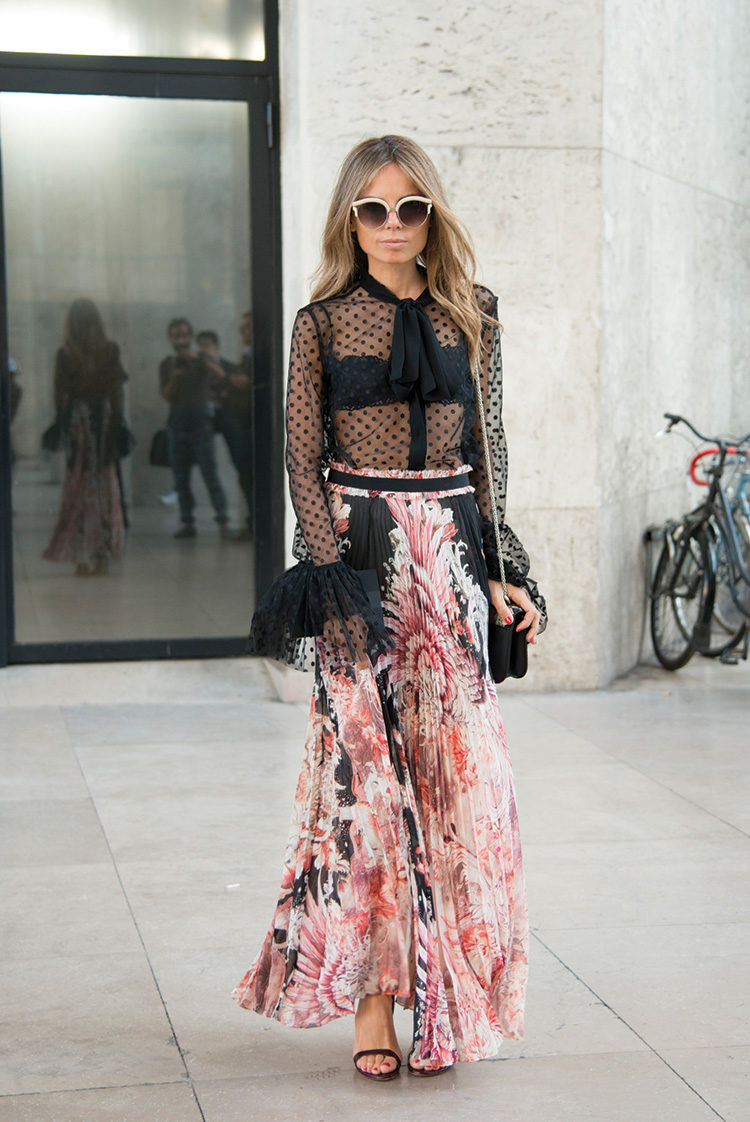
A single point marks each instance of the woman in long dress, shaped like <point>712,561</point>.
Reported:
<point>403,878</point>
<point>90,529</point>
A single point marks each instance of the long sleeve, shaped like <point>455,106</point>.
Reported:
<point>305,442</point>
<point>321,598</point>
<point>61,385</point>
<point>515,557</point>
<point>117,383</point>
<point>165,375</point>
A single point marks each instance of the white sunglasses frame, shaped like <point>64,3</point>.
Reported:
<point>392,209</point>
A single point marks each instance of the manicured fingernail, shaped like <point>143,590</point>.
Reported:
<point>508,619</point>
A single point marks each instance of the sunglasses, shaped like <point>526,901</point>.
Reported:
<point>411,211</point>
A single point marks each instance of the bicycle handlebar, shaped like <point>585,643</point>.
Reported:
<point>675,418</point>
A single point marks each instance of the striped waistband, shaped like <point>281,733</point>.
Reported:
<point>397,482</point>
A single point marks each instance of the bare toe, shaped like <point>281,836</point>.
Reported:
<point>373,1027</point>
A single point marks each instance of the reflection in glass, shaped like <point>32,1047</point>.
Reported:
<point>127,227</point>
<point>184,380</point>
<point>231,406</point>
<point>221,29</point>
<point>89,378</point>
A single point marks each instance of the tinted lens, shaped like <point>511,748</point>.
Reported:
<point>412,212</point>
<point>372,215</point>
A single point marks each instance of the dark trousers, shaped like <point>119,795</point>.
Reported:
<point>239,438</point>
<point>195,445</point>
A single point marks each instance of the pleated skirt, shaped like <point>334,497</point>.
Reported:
<point>90,525</point>
<point>403,871</point>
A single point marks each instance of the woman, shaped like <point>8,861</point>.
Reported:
<point>403,875</point>
<point>89,402</point>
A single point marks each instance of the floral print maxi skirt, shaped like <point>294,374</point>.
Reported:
<point>403,872</point>
<point>90,526</point>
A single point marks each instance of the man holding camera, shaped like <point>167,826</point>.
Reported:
<point>232,390</point>
<point>184,381</point>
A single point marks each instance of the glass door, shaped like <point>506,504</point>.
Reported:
<point>133,367</point>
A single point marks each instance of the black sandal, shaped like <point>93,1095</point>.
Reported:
<point>426,1071</point>
<point>381,1076</point>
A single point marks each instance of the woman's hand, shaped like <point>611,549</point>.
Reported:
<point>520,597</point>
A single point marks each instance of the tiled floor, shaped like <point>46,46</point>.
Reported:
<point>159,588</point>
<point>142,824</point>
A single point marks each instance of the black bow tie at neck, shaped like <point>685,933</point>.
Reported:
<point>416,357</point>
<point>418,372</point>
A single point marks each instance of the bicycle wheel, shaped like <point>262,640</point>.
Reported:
<point>676,599</point>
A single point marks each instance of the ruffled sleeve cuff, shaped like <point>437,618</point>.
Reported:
<point>515,562</point>
<point>309,601</point>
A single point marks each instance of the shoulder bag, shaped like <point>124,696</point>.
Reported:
<point>158,455</point>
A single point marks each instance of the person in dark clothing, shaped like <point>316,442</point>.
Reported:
<point>245,390</point>
<point>403,877</point>
<point>232,414</point>
<point>185,382</point>
<point>89,378</point>
<point>16,393</point>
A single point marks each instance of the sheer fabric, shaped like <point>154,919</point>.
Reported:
<point>403,871</point>
<point>90,526</point>
<point>346,402</point>
<point>97,392</point>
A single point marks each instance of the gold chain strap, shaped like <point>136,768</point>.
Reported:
<point>490,480</point>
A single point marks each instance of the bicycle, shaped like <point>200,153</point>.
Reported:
<point>700,593</point>
<point>737,490</point>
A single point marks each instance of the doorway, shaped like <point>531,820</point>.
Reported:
<point>142,424</point>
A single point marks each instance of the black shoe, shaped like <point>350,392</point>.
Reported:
<point>381,1076</point>
<point>426,1071</point>
<point>188,531</point>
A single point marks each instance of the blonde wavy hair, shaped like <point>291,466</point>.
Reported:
<point>448,255</point>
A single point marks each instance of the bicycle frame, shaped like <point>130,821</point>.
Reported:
<point>717,510</point>
<point>742,500</point>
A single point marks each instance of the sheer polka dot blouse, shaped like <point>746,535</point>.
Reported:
<point>343,406</point>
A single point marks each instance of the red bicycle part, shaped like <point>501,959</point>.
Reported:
<point>702,481</point>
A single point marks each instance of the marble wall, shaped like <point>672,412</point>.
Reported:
<point>675,272</point>
<point>544,121</point>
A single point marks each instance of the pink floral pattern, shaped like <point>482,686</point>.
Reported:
<point>404,872</point>
<point>90,525</point>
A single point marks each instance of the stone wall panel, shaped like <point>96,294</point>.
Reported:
<point>598,155</point>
